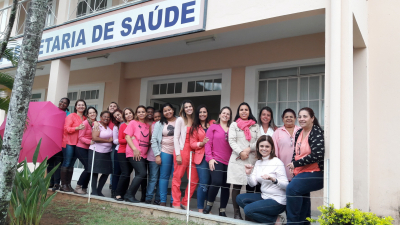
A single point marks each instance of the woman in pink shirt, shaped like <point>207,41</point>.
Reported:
<point>81,151</point>
<point>138,141</point>
<point>73,123</point>
<point>284,139</point>
<point>103,140</point>
<point>126,167</point>
<point>218,151</point>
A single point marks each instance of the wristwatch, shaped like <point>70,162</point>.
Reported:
<point>276,181</point>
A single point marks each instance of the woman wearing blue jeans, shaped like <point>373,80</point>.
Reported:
<point>198,140</point>
<point>162,144</point>
<point>307,166</point>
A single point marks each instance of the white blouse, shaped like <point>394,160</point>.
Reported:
<point>270,131</point>
<point>274,168</point>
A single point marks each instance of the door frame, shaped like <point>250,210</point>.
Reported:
<point>145,88</point>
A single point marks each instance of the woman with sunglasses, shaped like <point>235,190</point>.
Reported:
<point>284,139</point>
<point>218,151</point>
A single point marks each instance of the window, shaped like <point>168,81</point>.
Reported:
<point>204,85</point>
<point>51,12</point>
<point>36,97</point>
<point>89,6</point>
<point>167,88</point>
<point>293,88</point>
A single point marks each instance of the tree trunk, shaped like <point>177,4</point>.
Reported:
<point>7,33</point>
<point>19,103</point>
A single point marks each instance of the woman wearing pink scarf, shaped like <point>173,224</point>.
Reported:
<point>243,135</point>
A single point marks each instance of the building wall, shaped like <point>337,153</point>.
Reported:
<point>384,83</point>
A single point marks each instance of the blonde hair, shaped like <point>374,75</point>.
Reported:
<point>182,111</point>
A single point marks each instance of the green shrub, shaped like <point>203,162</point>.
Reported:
<point>347,216</point>
<point>29,195</point>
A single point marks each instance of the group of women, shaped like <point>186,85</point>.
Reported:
<point>278,166</point>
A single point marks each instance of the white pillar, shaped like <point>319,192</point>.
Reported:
<point>339,105</point>
<point>62,11</point>
<point>59,78</point>
<point>332,109</point>
<point>346,108</point>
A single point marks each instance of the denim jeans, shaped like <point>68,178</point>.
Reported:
<point>259,209</point>
<point>166,171</point>
<point>204,181</point>
<point>298,204</point>
<point>154,174</point>
<point>69,156</point>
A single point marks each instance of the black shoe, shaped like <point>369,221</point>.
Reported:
<point>207,209</point>
<point>100,194</point>
<point>119,199</point>
<point>51,185</point>
<point>156,202</point>
<point>147,201</point>
<point>56,187</point>
<point>130,198</point>
<point>222,214</point>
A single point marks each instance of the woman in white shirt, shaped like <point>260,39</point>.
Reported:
<point>266,121</point>
<point>270,172</point>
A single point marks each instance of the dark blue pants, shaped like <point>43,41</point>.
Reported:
<point>153,176</point>
<point>204,181</point>
<point>298,203</point>
<point>259,209</point>
<point>53,162</point>
<point>69,156</point>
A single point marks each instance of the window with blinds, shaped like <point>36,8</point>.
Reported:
<point>293,88</point>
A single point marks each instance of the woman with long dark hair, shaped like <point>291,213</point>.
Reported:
<point>126,168</point>
<point>218,152</point>
<point>266,121</point>
<point>268,171</point>
<point>243,135</point>
<point>82,153</point>
<point>73,124</point>
<point>58,157</point>
<point>182,155</point>
<point>162,143</point>
<point>102,148</point>
<point>307,167</point>
<point>137,138</point>
<point>198,140</point>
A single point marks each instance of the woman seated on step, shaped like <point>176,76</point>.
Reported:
<point>270,172</point>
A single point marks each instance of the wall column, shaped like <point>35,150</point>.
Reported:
<point>58,81</point>
<point>339,105</point>
<point>62,11</point>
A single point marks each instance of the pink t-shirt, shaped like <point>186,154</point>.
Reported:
<point>140,134</point>
<point>302,150</point>
<point>167,143</point>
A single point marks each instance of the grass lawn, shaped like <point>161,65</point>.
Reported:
<point>70,212</point>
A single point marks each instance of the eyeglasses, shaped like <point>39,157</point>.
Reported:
<point>298,148</point>
<point>291,141</point>
<point>226,136</point>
